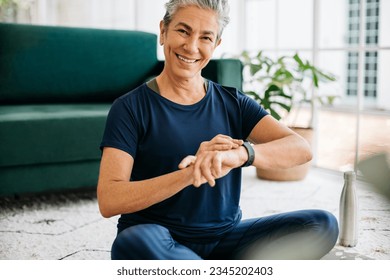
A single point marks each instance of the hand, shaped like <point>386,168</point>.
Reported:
<point>220,143</point>
<point>214,159</point>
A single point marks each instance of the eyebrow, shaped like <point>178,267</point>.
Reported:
<point>185,25</point>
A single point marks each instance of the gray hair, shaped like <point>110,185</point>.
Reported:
<point>221,7</point>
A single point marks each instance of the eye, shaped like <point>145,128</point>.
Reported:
<point>182,31</point>
<point>207,38</point>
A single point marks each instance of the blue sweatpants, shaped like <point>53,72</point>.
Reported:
<point>304,234</point>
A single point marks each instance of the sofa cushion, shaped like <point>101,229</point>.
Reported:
<point>46,64</point>
<point>51,177</point>
<point>42,134</point>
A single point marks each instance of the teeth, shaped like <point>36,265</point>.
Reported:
<point>186,60</point>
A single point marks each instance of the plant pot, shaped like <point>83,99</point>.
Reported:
<point>296,173</point>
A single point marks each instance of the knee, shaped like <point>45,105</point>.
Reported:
<point>319,235</point>
<point>136,242</point>
<point>325,223</point>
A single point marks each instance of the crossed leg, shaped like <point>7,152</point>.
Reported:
<point>302,235</point>
<point>305,234</point>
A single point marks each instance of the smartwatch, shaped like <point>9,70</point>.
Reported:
<point>251,154</point>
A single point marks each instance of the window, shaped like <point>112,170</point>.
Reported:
<point>371,39</point>
<point>280,27</point>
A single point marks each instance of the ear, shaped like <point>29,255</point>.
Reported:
<point>162,33</point>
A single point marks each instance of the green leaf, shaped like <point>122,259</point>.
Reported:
<point>284,106</point>
<point>254,95</point>
<point>282,80</point>
<point>315,79</point>
<point>274,114</point>
<point>298,60</point>
<point>254,68</point>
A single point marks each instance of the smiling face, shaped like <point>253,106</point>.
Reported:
<point>189,41</point>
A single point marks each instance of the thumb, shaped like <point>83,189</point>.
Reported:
<point>187,161</point>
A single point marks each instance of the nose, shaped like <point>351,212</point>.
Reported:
<point>191,45</point>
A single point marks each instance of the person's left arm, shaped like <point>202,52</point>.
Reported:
<point>275,146</point>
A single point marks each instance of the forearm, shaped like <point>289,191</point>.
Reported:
<point>211,165</point>
<point>286,152</point>
<point>118,197</point>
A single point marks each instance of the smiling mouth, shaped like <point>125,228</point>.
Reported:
<point>186,60</point>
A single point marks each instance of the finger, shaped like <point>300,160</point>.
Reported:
<point>202,170</point>
<point>205,168</point>
<point>216,169</point>
<point>197,173</point>
<point>220,143</point>
<point>220,138</point>
<point>227,140</point>
<point>187,161</point>
<point>238,142</point>
<point>223,147</point>
<point>223,144</point>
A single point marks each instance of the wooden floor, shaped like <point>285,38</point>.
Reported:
<point>335,141</point>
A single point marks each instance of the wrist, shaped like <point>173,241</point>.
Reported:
<point>186,175</point>
<point>250,154</point>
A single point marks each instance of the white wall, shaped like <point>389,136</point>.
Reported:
<point>144,15</point>
<point>117,14</point>
<point>255,25</point>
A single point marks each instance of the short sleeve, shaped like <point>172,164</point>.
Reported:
<point>121,128</point>
<point>252,112</point>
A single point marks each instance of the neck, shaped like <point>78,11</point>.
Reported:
<point>182,91</point>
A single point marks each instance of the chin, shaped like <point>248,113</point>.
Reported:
<point>187,74</point>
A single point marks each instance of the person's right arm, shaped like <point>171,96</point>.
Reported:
<point>117,195</point>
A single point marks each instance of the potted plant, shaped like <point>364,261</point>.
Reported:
<point>278,85</point>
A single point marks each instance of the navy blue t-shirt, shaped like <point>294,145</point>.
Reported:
<point>159,133</point>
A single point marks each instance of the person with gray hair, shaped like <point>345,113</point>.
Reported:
<point>172,154</point>
<point>220,7</point>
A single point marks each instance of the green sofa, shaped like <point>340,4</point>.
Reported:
<point>56,87</point>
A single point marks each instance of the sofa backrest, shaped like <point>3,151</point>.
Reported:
<point>46,64</point>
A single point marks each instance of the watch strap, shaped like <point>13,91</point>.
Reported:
<point>251,154</point>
